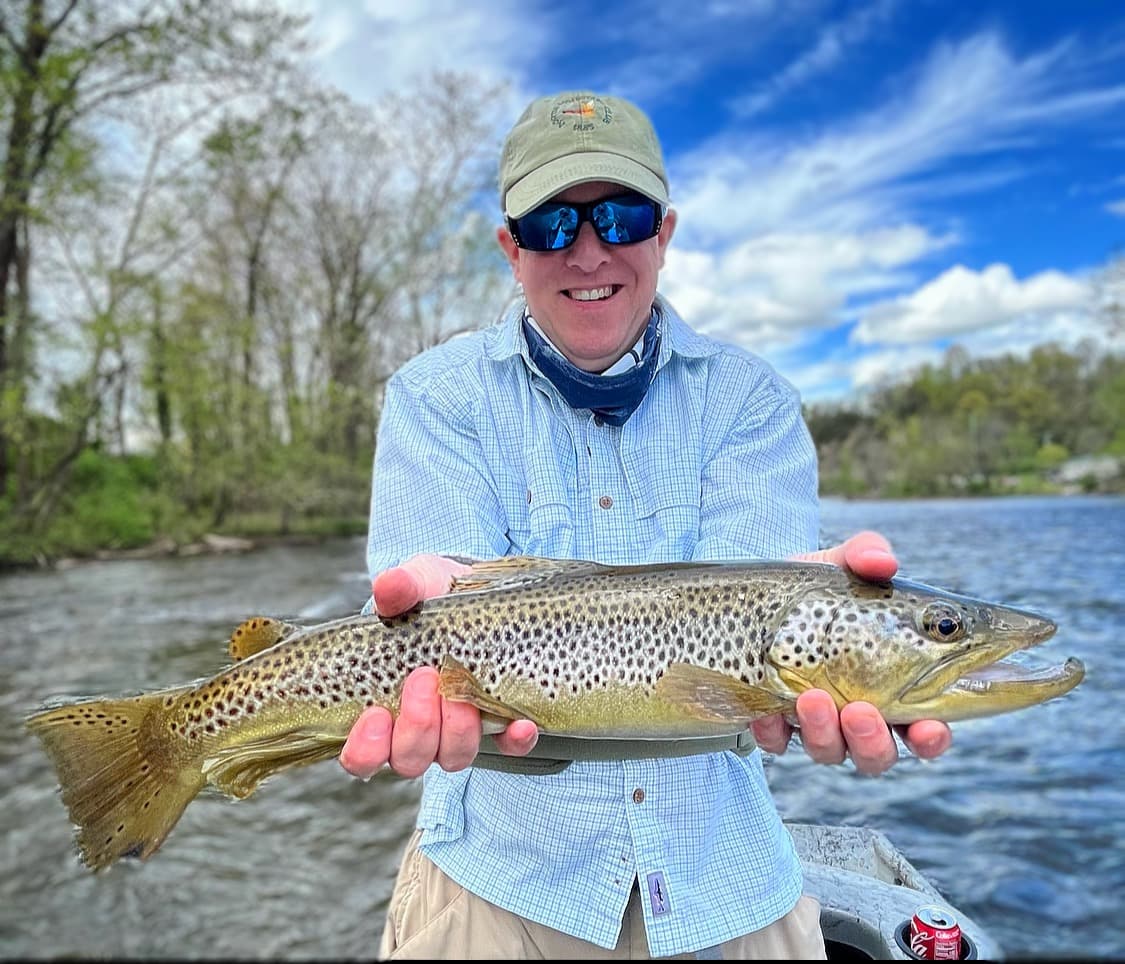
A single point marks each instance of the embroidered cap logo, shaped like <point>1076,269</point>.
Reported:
<point>581,113</point>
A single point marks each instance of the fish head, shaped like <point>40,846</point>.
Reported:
<point>915,652</point>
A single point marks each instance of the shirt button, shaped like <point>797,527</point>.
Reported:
<point>605,502</point>
<point>638,795</point>
<point>598,421</point>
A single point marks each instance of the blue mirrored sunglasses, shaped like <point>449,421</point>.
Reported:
<point>622,219</point>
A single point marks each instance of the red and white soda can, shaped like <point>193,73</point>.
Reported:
<point>935,934</point>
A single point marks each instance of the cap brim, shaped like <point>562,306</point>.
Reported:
<point>563,172</point>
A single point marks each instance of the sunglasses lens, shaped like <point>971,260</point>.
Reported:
<point>624,220</point>
<point>549,227</point>
<point>619,220</point>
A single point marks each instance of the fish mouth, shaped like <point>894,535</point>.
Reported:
<point>1020,670</point>
<point>1000,687</point>
<point>996,678</point>
<point>1008,632</point>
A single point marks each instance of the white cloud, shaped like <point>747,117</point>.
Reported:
<point>1116,207</point>
<point>383,47</point>
<point>764,291</point>
<point>961,301</point>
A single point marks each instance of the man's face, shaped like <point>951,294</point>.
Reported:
<point>592,299</point>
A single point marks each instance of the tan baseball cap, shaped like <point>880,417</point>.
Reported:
<point>574,137</point>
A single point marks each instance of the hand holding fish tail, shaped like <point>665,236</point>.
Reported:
<point>858,730</point>
<point>429,729</point>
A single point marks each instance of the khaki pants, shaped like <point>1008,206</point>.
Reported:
<point>431,917</point>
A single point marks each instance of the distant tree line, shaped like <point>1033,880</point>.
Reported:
<point>975,425</point>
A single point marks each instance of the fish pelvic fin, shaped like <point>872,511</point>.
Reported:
<point>253,635</point>
<point>710,695</point>
<point>237,770</point>
<point>124,776</point>
<point>455,682</point>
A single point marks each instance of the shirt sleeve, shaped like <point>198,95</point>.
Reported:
<point>430,490</point>
<point>759,479</point>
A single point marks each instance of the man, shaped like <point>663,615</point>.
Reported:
<point>594,423</point>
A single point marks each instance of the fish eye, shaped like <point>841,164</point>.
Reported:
<point>943,624</point>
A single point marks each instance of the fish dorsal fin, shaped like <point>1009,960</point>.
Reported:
<point>257,633</point>
<point>512,572</point>
<point>710,695</point>
<point>455,682</point>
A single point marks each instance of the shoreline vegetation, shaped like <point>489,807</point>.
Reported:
<point>1048,424</point>
<point>213,543</point>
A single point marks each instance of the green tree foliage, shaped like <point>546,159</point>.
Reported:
<point>988,425</point>
<point>67,66</point>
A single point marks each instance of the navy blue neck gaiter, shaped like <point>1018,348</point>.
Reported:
<point>613,398</point>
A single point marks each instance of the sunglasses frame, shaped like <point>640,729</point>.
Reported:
<point>585,210</point>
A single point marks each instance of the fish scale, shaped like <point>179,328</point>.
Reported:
<point>664,652</point>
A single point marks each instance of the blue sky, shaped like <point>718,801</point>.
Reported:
<point>859,185</point>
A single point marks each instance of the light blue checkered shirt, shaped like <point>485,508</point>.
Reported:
<point>478,455</point>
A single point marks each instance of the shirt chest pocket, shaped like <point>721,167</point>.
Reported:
<point>540,507</point>
<point>666,500</point>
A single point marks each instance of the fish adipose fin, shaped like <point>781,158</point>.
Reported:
<point>456,683</point>
<point>512,572</point>
<point>122,780</point>
<point>237,770</point>
<point>713,696</point>
<point>253,635</point>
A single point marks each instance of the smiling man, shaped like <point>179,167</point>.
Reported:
<point>594,423</point>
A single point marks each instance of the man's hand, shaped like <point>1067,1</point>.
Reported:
<point>428,729</point>
<point>858,730</point>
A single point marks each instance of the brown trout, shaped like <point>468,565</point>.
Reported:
<point>660,652</point>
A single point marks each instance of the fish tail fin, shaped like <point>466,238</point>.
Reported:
<point>124,775</point>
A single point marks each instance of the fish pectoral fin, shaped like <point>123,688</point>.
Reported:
<point>237,770</point>
<point>257,633</point>
<point>456,683</point>
<point>708,694</point>
<point>511,572</point>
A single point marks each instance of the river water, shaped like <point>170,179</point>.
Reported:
<point>1021,823</point>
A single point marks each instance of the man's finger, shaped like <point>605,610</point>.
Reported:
<point>870,742</point>
<point>460,735</point>
<point>772,733</point>
<point>423,576</point>
<point>518,739</point>
<point>820,727</point>
<point>417,731</point>
<point>926,739</point>
<point>868,554</point>
<point>368,746</point>
<point>396,590</point>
